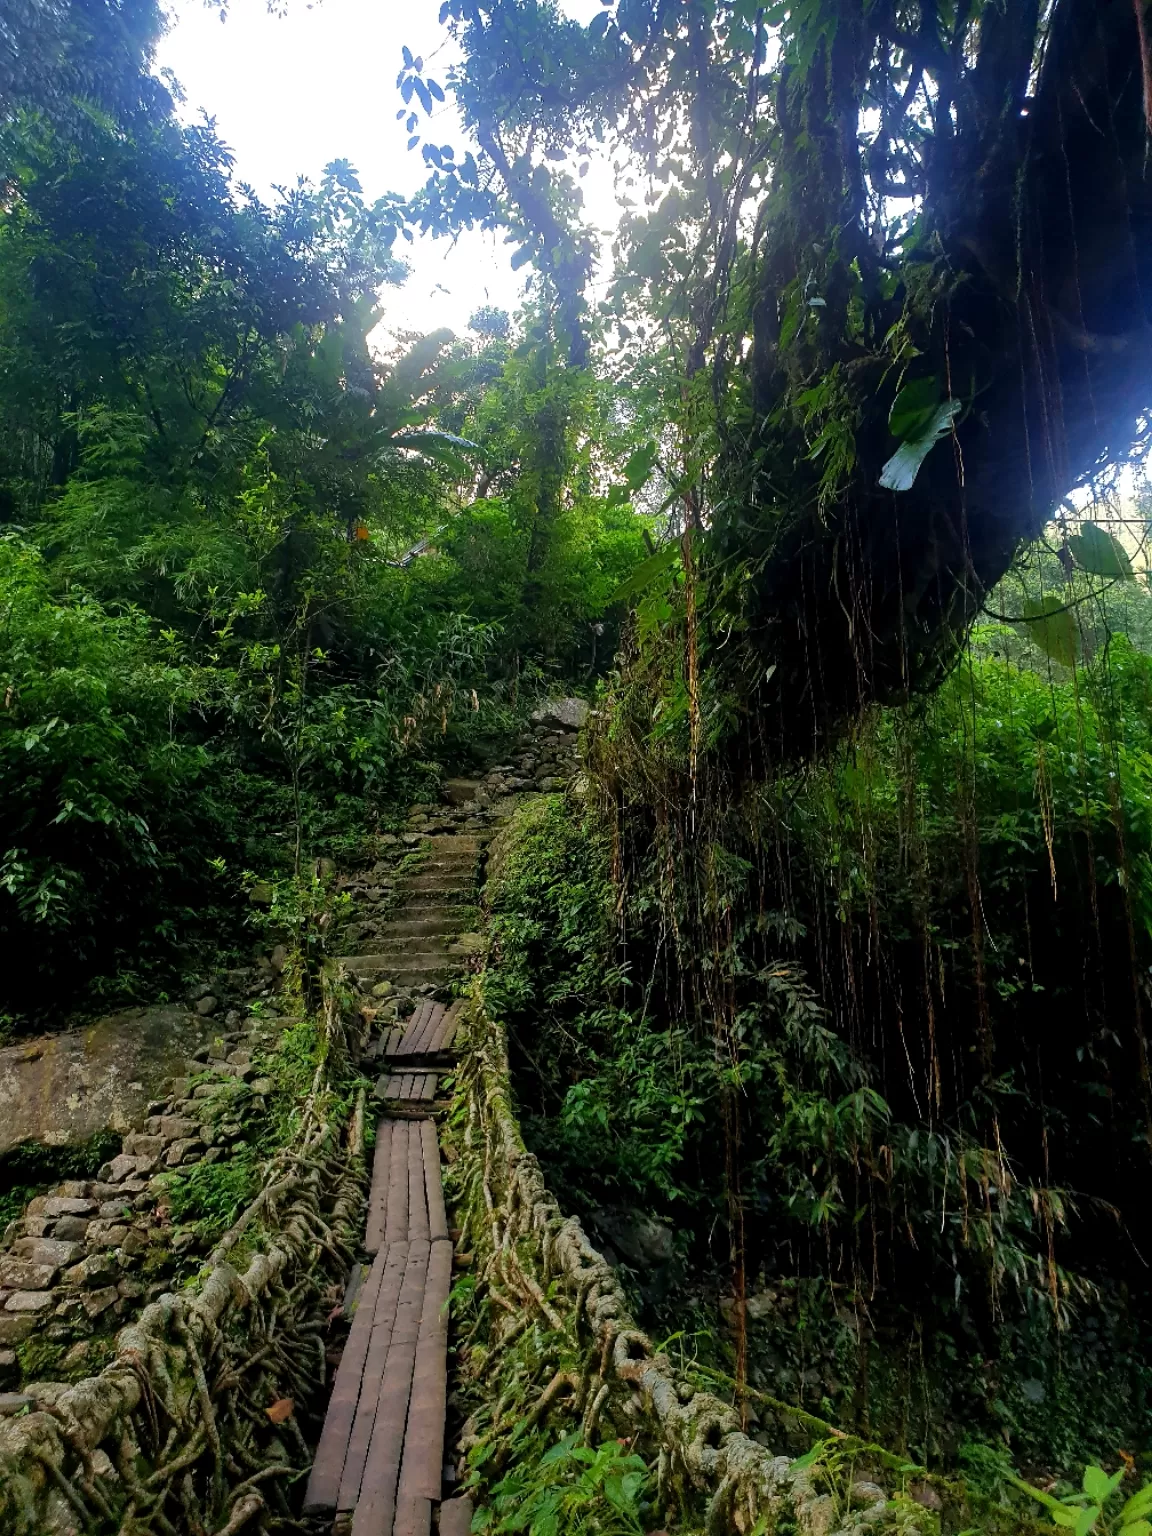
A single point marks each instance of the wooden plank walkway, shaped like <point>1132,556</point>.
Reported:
<point>381,1451</point>
<point>428,1033</point>
<point>407,1087</point>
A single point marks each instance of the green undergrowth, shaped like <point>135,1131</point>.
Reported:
<point>901,1284</point>
<point>208,1197</point>
<point>29,1169</point>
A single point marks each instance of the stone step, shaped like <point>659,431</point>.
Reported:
<point>436,882</point>
<point>449,921</point>
<point>410,973</point>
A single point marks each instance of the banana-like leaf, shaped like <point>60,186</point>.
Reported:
<point>1053,628</point>
<point>899,474</point>
<point>647,572</point>
<point>1096,551</point>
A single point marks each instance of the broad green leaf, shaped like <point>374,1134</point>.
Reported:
<point>1136,1528</point>
<point>1062,1515</point>
<point>1098,1485</point>
<point>1096,551</point>
<point>899,474</point>
<point>913,408</point>
<point>639,466</point>
<point>1053,628</point>
<point>1139,1504</point>
<point>647,572</point>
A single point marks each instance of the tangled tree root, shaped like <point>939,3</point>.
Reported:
<point>595,1371</point>
<point>175,1435</point>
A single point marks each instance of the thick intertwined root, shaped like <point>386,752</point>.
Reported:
<point>175,1436</point>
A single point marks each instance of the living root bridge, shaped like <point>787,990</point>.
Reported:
<point>174,1435</point>
<point>603,1376</point>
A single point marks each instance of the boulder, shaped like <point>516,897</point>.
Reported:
<point>569,714</point>
<point>75,1084</point>
<point>639,1239</point>
<point>96,1269</point>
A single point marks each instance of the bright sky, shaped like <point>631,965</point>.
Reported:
<point>290,93</point>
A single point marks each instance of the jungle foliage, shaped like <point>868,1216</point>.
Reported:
<point>259,581</point>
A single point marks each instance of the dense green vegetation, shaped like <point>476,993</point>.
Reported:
<point>933,1131</point>
<point>218,659</point>
<point>828,991</point>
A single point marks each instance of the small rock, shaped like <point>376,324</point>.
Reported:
<point>207,1006</point>
<point>9,1366</point>
<point>15,1327</point>
<point>15,1402</point>
<point>183,1240</point>
<point>37,1226</point>
<point>47,1250</point>
<point>71,1228</point>
<point>21,1275</point>
<point>177,1127</point>
<point>382,989</point>
<point>59,1205</point>
<point>926,1496</point>
<point>262,1085</point>
<point>94,1270</point>
<point>98,1302</point>
<point>212,1155</point>
<point>29,1301</point>
<point>136,1241</point>
<point>144,1146</point>
<point>278,959</point>
<point>239,1057</point>
<point>74,1189</point>
<point>119,1168</point>
<point>106,1234</point>
<point>179,1150</point>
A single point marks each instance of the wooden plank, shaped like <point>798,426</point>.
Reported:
<point>383,1324</point>
<point>447,1030</point>
<point>378,1194</point>
<point>394,1038</point>
<point>396,1223</point>
<point>328,1467</point>
<point>434,1185</point>
<point>422,1467</point>
<point>431,1027</point>
<point>456,1516</point>
<point>376,1507</point>
<point>413,1028</point>
<point>418,1229</point>
<point>441,1028</point>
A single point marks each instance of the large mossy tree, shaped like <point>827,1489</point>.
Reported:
<point>866,229</point>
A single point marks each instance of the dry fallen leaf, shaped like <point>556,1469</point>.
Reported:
<point>280,1410</point>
